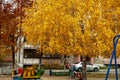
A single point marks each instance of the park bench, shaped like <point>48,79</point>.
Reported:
<point>59,72</point>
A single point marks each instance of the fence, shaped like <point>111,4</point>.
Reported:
<point>5,70</point>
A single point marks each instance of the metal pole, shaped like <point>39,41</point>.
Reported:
<point>109,66</point>
<point>116,67</point>
<point>115,44</point>
<point>115,41</point>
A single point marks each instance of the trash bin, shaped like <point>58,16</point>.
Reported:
<point>50,72</point>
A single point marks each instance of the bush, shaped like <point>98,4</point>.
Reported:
<point>103,67</point>
<point>40,72</point>
<point>53,65</point>
<point>60,73</point>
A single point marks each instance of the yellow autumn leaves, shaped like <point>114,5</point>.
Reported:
<point>54,25</point>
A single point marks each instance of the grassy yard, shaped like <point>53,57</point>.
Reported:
<point>100,75</point>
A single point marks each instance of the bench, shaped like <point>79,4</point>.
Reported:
<point>59,72</point>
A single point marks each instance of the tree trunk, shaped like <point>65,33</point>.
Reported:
<point>13,57</point>
<point>84,71</point>
<point>13,49</point>
<point>40,59</point>
<point>64,62</point>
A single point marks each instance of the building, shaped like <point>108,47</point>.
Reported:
<point>25,53</point>
<point>5,53</point>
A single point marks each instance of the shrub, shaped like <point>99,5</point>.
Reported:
<point>52,65</point>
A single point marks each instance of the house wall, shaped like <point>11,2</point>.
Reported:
<point>78,58</point>
<point>31,61</point>
<point>107,60</point>
<point>5,53</point>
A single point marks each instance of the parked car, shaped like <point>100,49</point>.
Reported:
<point>89,66</point>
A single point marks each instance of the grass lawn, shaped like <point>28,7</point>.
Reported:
<point>89,74</point>
<point>100,75</point>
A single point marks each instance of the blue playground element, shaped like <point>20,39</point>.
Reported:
<point>115,41</point>
<point>16,78</point>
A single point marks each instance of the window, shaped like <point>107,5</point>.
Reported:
<point>31,53</point>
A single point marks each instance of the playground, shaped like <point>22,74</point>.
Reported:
<point>35,72</point>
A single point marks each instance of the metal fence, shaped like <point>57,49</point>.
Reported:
<point>5,70</point>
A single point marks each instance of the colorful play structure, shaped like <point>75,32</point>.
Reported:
<point>28,73</point>
<point>115,41</point>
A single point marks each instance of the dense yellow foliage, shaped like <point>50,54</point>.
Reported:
<point>56,26</point>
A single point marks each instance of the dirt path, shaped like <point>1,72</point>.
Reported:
<point>46,77</point>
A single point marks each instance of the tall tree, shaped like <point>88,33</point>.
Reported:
<point>10,20</point>
<point>80,27</point>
